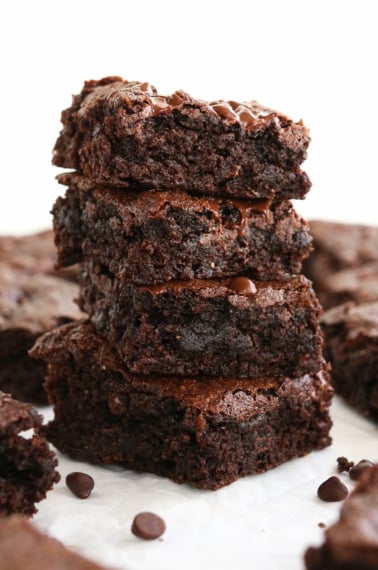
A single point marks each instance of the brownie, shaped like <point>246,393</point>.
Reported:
<point>153,237</point>
<point>198,431</point>
<point>23,546</point>
<point>351,543</point>
<point>125,134</point>
<point>358,284</point>
<point>351,345</point>
<point>27,465</point>
<point>34,252</point>
<point>225,327</point>
<point>30,304</point>
<point>339,246</point>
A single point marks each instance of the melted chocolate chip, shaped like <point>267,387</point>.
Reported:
<point>332,490</point>
<point>242,285</point>
<point>343,464</point>
<point>148,526</point>
<point>356,471</point>
<point>80,484</point>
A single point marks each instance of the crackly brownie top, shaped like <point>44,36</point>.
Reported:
<point>143,98</point>
<point>360,282</point>
<point>16,416</point>
<point>355,534</point>
<point>358,320</point>
<point>241,398</point>
<point>34,252</point>
<point>35,302</point>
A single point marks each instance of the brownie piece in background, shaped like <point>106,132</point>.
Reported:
<point>226,327</point>
<point>154,237</point>
<point>35,253</point>
<point>27,465</point>
<point>351,332</point>
<point>357,284</point>
<point>30,304</point>
<point>201,431</point>
<point>125,134</point>
<point>339,246</point>
<point>352,542</point>
<point>24,547</point>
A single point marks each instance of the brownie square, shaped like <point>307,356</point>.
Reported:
<point>23,547</point>
<point>30,305</point>
<point>27,465</point>
<point>226,327</point>
<point>339,246</point>
<point>195,430</point>
<point>357,284</point>
<point>35,253</point>
<point>352,542</point>
<point>153,237</point>
<point>127,135</point>
<point>351,346</point>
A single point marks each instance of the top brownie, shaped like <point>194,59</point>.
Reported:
<point>126,134</point>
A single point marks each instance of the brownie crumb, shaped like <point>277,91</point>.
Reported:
<point>332,490</point>
<point>356,471</point>
<point>80,484</point>
<point>148,526</point>
<point>322,525</point>
<point>343,464</point>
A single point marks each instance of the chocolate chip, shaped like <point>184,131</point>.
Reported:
<point>242,285</point>
<point>356,471</point>
<point>343,464</point>
<point>80,484</point>
<point>148,526</point>
<point>332,490</point>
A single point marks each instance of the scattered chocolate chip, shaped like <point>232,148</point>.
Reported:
<point>242,285</point>
<point>81,484</point>
<point>360,467</point>
<point>148,526</point>
<point>332,490</point>
<point>321,525</point>
<point>343,464</point>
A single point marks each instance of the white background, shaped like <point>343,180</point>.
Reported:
<point>315,60</point>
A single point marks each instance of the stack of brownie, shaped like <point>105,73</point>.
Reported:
<point>202,359</point>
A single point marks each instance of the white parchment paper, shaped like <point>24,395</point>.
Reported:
<point>262,521</point>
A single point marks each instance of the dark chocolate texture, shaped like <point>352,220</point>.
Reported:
<point>206,327</point>
<point>198,431</point>
<point>27,465</point>
<point>125,134</point>
<point>351,333</point>
<point>352,542</point>
<point>153,237</point>
<point>30,304</point>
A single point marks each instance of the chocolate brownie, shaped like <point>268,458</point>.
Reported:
<point>30,304</point>
<point>153,237</point>
<point>34,252</point>
<point>358,284</point>
<point>226,327</point>
<point>352,542</point>
<point>195,430</point>
<point>351,345</point>
<point>125,134</point>
<point>339,246</point>
<point>27,465</point>
<point>24,547</point>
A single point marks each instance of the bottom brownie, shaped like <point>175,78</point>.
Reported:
<point>352,542</point>
<point>351,345</point>
<point>196,430</point>
<point>27,465</point>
